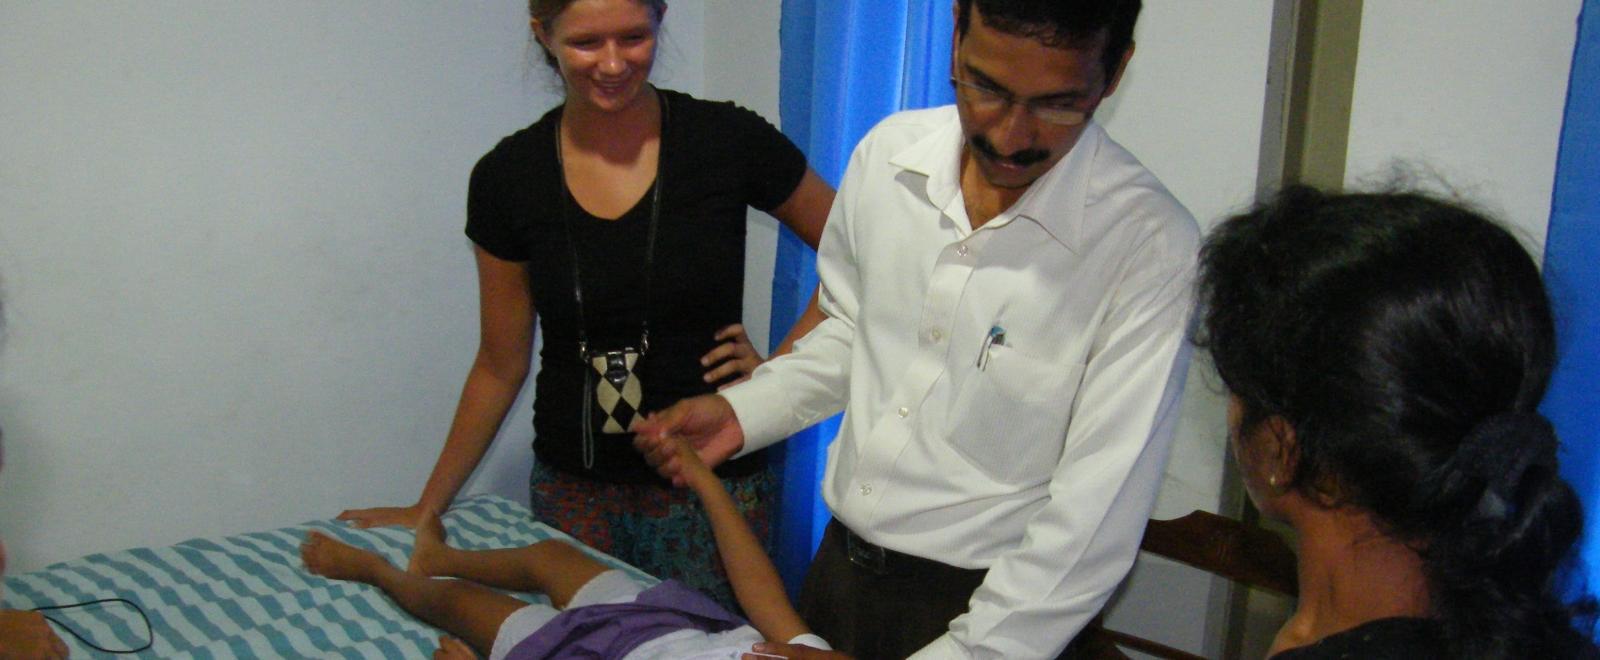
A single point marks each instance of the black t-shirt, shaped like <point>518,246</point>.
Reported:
<point>1398,638</point>
<point>716,159</point>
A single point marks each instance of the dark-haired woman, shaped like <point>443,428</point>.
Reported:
<point>1386,355</point>
<point>620,216</point>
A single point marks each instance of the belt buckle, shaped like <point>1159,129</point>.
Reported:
<point>864,555</point>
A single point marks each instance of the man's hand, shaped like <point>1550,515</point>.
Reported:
<point>766,650</point>
<point>27,636</point>
<point>707,423</point>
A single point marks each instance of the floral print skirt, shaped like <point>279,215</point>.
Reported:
<point>662,531</point>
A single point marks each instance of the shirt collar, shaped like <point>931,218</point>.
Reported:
<point>1055,201</point>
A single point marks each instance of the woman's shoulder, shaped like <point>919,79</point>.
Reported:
<point>526,144</point>
<point>724,114</point>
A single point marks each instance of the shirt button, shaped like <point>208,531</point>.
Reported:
<point>903,412</point>
<point>866,489</point>
<point>962,250</point>
<point>936,335</point>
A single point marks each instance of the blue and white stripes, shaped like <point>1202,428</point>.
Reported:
<point>248,596</point>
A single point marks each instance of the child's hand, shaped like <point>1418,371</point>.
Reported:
<point>792,652</point>
<point>693,470</point>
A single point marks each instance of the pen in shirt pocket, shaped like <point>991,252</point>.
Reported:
<point>996,337</point>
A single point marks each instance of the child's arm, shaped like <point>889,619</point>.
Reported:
<point>755,580</point>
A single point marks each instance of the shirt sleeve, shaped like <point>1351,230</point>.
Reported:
<point>1081,543</point>
<point>812,383</point>
<point>490,223</point>
<point>773,165</point>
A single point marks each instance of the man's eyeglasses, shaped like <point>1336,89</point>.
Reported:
<point>988,99</point>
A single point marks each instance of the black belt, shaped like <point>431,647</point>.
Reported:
<point>883,561</point>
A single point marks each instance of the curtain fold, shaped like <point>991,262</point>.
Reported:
<point>845,65</point>
<point>1572,274</point>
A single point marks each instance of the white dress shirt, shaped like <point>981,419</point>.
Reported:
<point>1042,464</point>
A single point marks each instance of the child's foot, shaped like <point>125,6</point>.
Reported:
<point>332,559</point>
<point>430,554</point>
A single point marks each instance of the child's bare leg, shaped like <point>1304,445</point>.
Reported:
<point>469,611</point>
<point>554,568</point>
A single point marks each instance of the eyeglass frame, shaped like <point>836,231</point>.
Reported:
<point>1035,107</point>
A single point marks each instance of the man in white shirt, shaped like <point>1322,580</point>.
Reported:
<point>1008,292</point>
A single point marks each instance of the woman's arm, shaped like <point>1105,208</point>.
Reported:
<point>505,345</point>
<point>806,209</point>
<point>804,212</point>
<point>808,320</point>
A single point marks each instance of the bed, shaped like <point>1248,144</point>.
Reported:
<point>248,596</point>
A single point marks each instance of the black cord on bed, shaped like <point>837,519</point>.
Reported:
<point>149,632</point>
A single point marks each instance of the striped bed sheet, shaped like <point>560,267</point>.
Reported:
<point>249,596</point>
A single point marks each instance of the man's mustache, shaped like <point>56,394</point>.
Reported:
<point>1022,158</point>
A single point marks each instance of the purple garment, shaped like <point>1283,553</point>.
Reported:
<point>612,630</point>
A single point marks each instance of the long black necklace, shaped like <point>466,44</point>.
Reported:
<point>609,375</point>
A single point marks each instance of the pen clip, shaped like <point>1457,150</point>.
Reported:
<point>997,335</point>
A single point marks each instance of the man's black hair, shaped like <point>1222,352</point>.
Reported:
<point>1060,23</point>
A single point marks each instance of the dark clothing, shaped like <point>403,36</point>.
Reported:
<point>883,604</point>
<point>716,160</point>
<point>1398,638</point>
<point>661,531</point>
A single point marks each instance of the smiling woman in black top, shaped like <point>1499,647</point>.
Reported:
<point>620,217</point>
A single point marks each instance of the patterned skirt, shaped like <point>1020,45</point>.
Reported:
<point>662,531</point>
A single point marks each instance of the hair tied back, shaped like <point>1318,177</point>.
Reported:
<point>1499,450</point>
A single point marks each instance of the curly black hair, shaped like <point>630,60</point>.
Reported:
<point>1408,341</point>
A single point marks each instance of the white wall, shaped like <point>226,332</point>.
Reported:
<point>236,289</point>
<point>741,63</point>
<point>1473,90</point>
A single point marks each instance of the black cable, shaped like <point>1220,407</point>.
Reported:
<point>149,631</point>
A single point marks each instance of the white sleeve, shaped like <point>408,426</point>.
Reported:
<point>812,641</point>
<point>812,383</point>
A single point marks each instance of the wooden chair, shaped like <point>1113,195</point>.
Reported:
<point>1217,544</point>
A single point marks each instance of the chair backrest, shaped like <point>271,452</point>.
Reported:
<point>1217,544</point>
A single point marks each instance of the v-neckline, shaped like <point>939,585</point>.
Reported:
<point>646,196</point>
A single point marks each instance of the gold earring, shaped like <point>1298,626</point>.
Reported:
<point>1272,481</point>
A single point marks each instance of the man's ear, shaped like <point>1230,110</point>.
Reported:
<point>1116,78</point>
<point>955,35</point>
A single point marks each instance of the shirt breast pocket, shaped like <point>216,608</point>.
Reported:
<point>1010,418</point>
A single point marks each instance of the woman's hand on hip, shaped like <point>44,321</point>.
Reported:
<point>732,360</point>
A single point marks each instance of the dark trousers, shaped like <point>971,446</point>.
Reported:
<point>879,604</point>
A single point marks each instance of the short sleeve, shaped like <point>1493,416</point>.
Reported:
<point>773,165</point>
<point>490,224</point>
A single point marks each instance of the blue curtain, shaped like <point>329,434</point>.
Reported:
<point>1572,273</point>
<point>845,65</point>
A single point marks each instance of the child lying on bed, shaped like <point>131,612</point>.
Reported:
<point>597,609</point>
